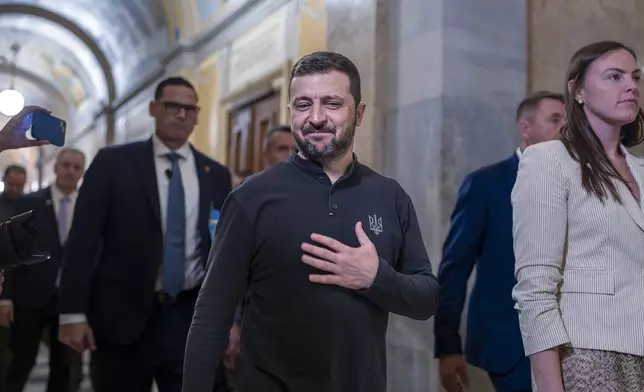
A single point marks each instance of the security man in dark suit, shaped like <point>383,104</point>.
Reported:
<point>137,251</point>
<point>32,290</point>
<point>13,181</point>
<point>481,235</point>
<point>13,136</point>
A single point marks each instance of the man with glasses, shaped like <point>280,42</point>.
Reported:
<point>137,250</point>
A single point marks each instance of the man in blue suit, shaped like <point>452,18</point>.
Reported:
<point>481,235</point>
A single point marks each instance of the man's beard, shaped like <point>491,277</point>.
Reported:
<point>336,148</point>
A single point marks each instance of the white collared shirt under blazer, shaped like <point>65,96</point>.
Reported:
<point>579,263</point>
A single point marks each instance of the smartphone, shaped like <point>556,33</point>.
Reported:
<point>44,126</point>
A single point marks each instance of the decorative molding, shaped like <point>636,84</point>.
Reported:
<point>229,16</point>
<point>259,51</point>
<point>65,23</point>
<point>235,20</point>
<point>304,7</point>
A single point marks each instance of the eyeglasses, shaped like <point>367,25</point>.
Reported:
<point>175,108</point>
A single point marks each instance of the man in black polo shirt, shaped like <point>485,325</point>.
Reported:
<point>326,248</point>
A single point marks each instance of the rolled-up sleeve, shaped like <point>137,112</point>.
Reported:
<point>539,203</point>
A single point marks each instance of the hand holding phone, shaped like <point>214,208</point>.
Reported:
<point>13,134</point>
<point>44,126</point>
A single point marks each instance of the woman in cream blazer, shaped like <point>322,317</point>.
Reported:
<point>579,234</point>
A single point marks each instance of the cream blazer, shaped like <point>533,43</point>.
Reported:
<point>579,263</point>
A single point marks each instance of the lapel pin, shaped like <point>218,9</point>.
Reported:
<point>207,169</point>
<point>48,202</point>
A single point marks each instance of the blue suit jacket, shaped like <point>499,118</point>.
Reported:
<point>481,235</point>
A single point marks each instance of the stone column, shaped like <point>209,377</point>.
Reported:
<point>352,31</point>
<point>441,80</point>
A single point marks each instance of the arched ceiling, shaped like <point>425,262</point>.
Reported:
<point>75,43</point>
<point>36,90</point>
<point>56,55</point>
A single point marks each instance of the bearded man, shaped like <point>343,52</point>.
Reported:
<point>325,248</point>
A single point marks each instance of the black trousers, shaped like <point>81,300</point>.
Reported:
<point>157,355</point>
<point>65,364</point>
<point>5,356</point>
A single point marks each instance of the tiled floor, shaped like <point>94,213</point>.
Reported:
<point>38,380</point>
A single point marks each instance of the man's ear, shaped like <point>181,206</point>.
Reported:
<point>360,113</point>
<point>524,127</point>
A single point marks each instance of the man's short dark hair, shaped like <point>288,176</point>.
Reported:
<point>531,102</point>
<point>326,62</point>
<point>276,129</point>
<point>17,169</point>
<point>172,81</point>
<point>69,150</point>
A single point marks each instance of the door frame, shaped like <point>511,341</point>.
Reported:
<point>274,82</point>
<point>250,98</point>
<point>247,105</point>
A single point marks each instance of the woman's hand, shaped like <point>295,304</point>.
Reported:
<point>546,368</point>
<point>14,133</point>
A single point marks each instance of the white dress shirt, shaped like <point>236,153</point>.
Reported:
<point>194,270</point>
<point>56,196</point>
<point>189,177</point>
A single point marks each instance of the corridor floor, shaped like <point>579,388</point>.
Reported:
<point>38,379</point>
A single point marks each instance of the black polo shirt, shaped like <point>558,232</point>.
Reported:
<point>299,336</point>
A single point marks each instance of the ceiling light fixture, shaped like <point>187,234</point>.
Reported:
<point>11,100</point>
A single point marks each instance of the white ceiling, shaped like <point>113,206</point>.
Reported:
<point>128,32</point>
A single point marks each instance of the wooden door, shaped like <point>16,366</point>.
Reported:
<point>247,131</point>
<point>266,115</point>
<point>239,159</point>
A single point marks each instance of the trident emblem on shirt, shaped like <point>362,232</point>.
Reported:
<point>375,224</point>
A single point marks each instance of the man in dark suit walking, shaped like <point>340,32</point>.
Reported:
<point>137,251</point>
<point>12,136</point>
<point>13,181</point>
<point>32,291</point>
<point>481,235</point>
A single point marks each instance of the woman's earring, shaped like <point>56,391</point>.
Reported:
<point>581,102</point>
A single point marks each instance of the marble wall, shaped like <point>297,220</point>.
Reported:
<point>558,28</point>
<point>441,82</point>
<point>351,30</point>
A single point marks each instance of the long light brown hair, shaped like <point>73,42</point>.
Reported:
<point>598,174</point>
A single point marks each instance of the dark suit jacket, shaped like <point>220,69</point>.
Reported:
<point>115,246</point>
<point>34,286</point>
<point>481,234</point>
